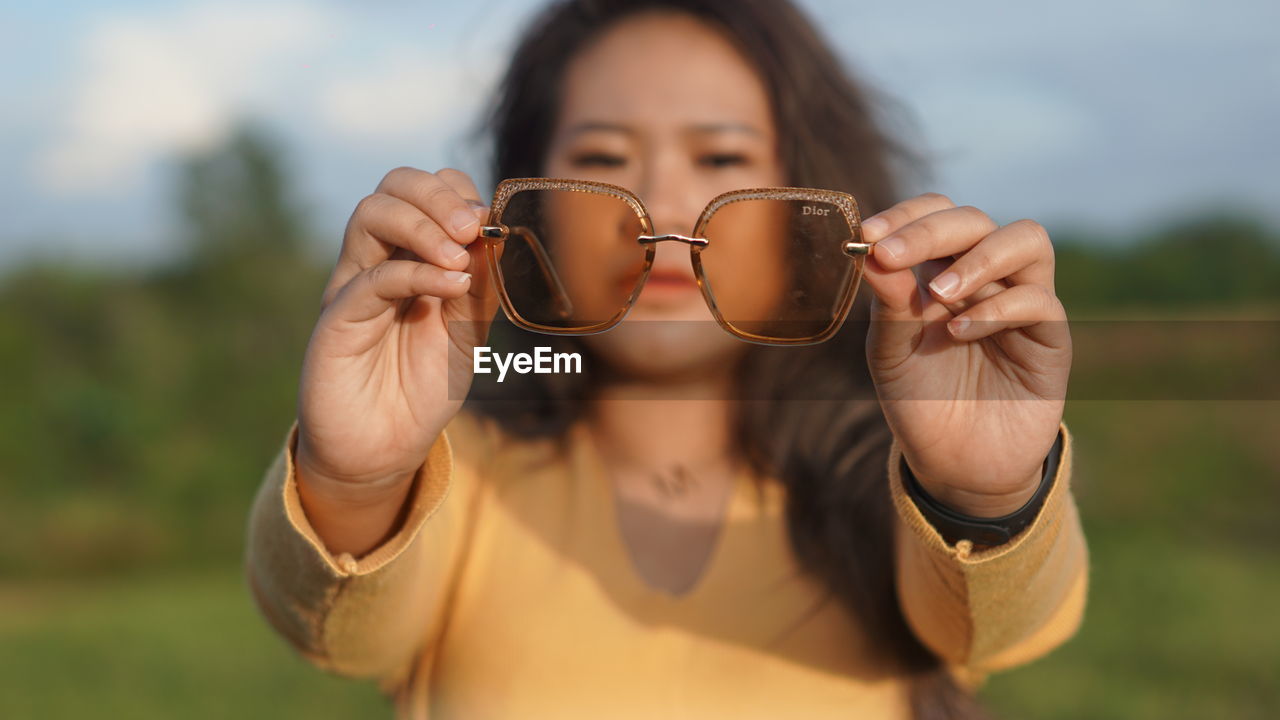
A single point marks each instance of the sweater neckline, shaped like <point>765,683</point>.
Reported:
<point>589,468</point>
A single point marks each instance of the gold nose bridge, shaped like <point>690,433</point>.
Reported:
<point>652,239</point>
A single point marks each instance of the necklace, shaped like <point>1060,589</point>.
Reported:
<point>675,484</point>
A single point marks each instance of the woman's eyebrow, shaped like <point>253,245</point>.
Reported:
<point>597,126</point>
<point>708,128</point>
<point>701,129</point>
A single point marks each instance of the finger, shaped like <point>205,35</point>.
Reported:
<point>437,198</point>
<point>377,231</point>
<point>1019,253</point>
<point>461,184</point>
<point>933,307</point>
<point>878,226</point>
<point>895,288</point>
<point>398,223</point>
<point>482,285</point>
<point>1032,307</point>
<point>947,232</point>
<point>378,288</point>
<point>917,246</point>
<point>908,291</point>
<point>476,309</point>
<point>384,228</point>
<point>897,331</point>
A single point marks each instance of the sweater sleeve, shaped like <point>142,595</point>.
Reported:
<point>369,616</point>
<point>987,610</point>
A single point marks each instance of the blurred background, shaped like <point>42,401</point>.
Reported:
<point>175,182</point>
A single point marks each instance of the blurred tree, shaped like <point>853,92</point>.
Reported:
<point>1215,258</point>
<point>244,229</point>
<point>141,408</point>
<point>244,303</point>
<point>235,201</point>
<point>153,399</point>
<point>1208,260</point>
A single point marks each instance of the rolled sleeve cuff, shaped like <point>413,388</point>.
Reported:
<point>1045,522</point>
<point>995,607</point>
<point>428,491</point>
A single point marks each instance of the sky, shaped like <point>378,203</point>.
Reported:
<point>1097,114</point>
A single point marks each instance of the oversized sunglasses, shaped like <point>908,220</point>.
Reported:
<point>777,266</point>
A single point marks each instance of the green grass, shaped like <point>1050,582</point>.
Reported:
<point>159,647</point>
<point>1179,504</point>
<point>1171,632</point>
<point>142,408</point>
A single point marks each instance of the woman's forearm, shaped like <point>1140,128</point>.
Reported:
<point>349,518</point>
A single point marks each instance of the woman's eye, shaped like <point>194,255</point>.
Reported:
<point>598,160</point>
<point>719,160</point>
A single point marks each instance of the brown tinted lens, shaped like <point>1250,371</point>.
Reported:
<point>571,259</point>
<point>777,268</point>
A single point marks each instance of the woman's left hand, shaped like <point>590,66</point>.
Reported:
<point>971,370</point>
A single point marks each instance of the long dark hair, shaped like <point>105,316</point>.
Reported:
<point>830,454</point>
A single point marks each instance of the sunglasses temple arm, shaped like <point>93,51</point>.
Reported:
<point>564,307</point>
<point>848,280</point>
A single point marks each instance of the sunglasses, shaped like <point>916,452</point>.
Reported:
<point>776,266</point>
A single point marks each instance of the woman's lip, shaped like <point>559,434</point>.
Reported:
<point>662,284</point>
<point>668,288</point>
<point>670,279</point>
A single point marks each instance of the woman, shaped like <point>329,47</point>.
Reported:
<point>585,546</point>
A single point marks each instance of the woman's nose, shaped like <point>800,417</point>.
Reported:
<point>670,196</point>
<point>670,219</point>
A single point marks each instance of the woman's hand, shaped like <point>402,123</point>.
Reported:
<point>971,370</point>
<point>389,361</point>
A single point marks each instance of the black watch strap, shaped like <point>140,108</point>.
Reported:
<point>955,526</point>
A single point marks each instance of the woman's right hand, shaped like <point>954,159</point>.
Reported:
<point>390,360</point>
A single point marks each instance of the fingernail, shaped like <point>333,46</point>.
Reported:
<point>457,276</point>
<point>457,252</point>
<point>480,209</point>
<point>893,246</point>
<point>462,220</point>
<point>945,283</point>
<point>875,226</point>
<point>958,325</point>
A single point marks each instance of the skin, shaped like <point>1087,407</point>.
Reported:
<point>664,107</point>
<point>681,117</point>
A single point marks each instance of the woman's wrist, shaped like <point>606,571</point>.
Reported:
<point>352,526</point>
<point>351,517</point>
<point>980,505</point>
<point>984,530</point>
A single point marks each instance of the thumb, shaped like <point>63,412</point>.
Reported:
<point>896,312</point>
<point>470,315</point>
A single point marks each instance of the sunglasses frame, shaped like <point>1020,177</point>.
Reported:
<point>494,233</point>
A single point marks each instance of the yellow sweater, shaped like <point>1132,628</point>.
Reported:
<point>508,593</point>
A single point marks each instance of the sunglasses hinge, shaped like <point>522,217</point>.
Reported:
<point>493,232</point>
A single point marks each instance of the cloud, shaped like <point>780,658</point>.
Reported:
<point>401,93</point>
<point>1005,122</point>
<point>151,85</point>
<point>1034,111</point>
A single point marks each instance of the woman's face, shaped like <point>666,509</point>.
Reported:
<point>665,106</point>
